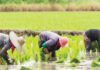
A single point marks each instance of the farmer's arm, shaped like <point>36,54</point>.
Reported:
<point>4,52</point>
<point>48,45</point>
<point>51,44</point>
<point>99,43</point>
<point>87,45</point>
<point>40,44</point>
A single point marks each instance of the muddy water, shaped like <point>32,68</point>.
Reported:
<point>84,65</point>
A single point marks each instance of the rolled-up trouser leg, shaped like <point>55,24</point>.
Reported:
<point>87,45</point>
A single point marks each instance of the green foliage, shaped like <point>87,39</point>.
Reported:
<point>75,60</point>
<point>94,46</point>
<point>10,1</point>
<point>2,61</point>
<point>24,68</point>
<point>23,1</point>
<point>60,61</point>
<point>73,64</point>
<point>63,2</point>
<point>75,48</point>
<point>30,49</point>
<point>72,50</point>
<point>98,59</point>
<point>46,57</point>
<point>95,63</point>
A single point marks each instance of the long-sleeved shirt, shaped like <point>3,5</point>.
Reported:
<point>5,44</point>
<point>93,34</point>
<point>50,38</point>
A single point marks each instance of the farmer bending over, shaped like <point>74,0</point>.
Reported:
<point>10,41</point>
<point>90,36</point>
<point>50,42</point>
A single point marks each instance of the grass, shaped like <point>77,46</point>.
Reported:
<point>50,20</point>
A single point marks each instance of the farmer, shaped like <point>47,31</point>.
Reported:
<point>90,36</point>
<point>50,42</point>
<point>10,41</point>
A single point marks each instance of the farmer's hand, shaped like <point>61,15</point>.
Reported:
<point>11,61</point>
<point>46,50</point>
<point>50,54</point>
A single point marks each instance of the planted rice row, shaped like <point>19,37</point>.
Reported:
<point>32,51</point>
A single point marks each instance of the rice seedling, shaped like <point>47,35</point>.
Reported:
<point>73,51</point>
<point>32,51</point>
<point>2,61</point>
<point>24,68</point>
<point>98,59</point>
<point>60,61</point>
<point>73,64</point>
<point>75,60</point>
<point>95,63</point>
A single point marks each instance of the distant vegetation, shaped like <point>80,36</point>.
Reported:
<point>49,5</point>
<point>47,1</point>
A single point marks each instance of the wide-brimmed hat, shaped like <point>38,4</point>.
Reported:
<point>17,41</point>
<point>63,41</point>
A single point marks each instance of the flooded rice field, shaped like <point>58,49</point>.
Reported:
<point>32,65</point>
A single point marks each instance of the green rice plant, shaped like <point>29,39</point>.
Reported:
<point>76,45</point>
<point>30,49</point>
<point>46,57</point>
<point>60,61</point>
<point>73,64</point>
<point>95,63</point>
<point>35,49</point>
<point>98,59</point>
<point>94,46</point>
<point>24,68</point>
<point>75,60</point>
<point>2,61</point>
<point>73,50</point>
<point>62,53</point>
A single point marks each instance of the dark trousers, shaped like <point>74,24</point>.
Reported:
<point>53,53</point>
<point>87,45</point>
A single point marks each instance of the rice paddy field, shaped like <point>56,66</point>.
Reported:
<point>50,20</point>
<point>72,57</point>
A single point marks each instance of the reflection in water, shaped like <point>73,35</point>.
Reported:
<point>92,56</point>
<point>47,66</point>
